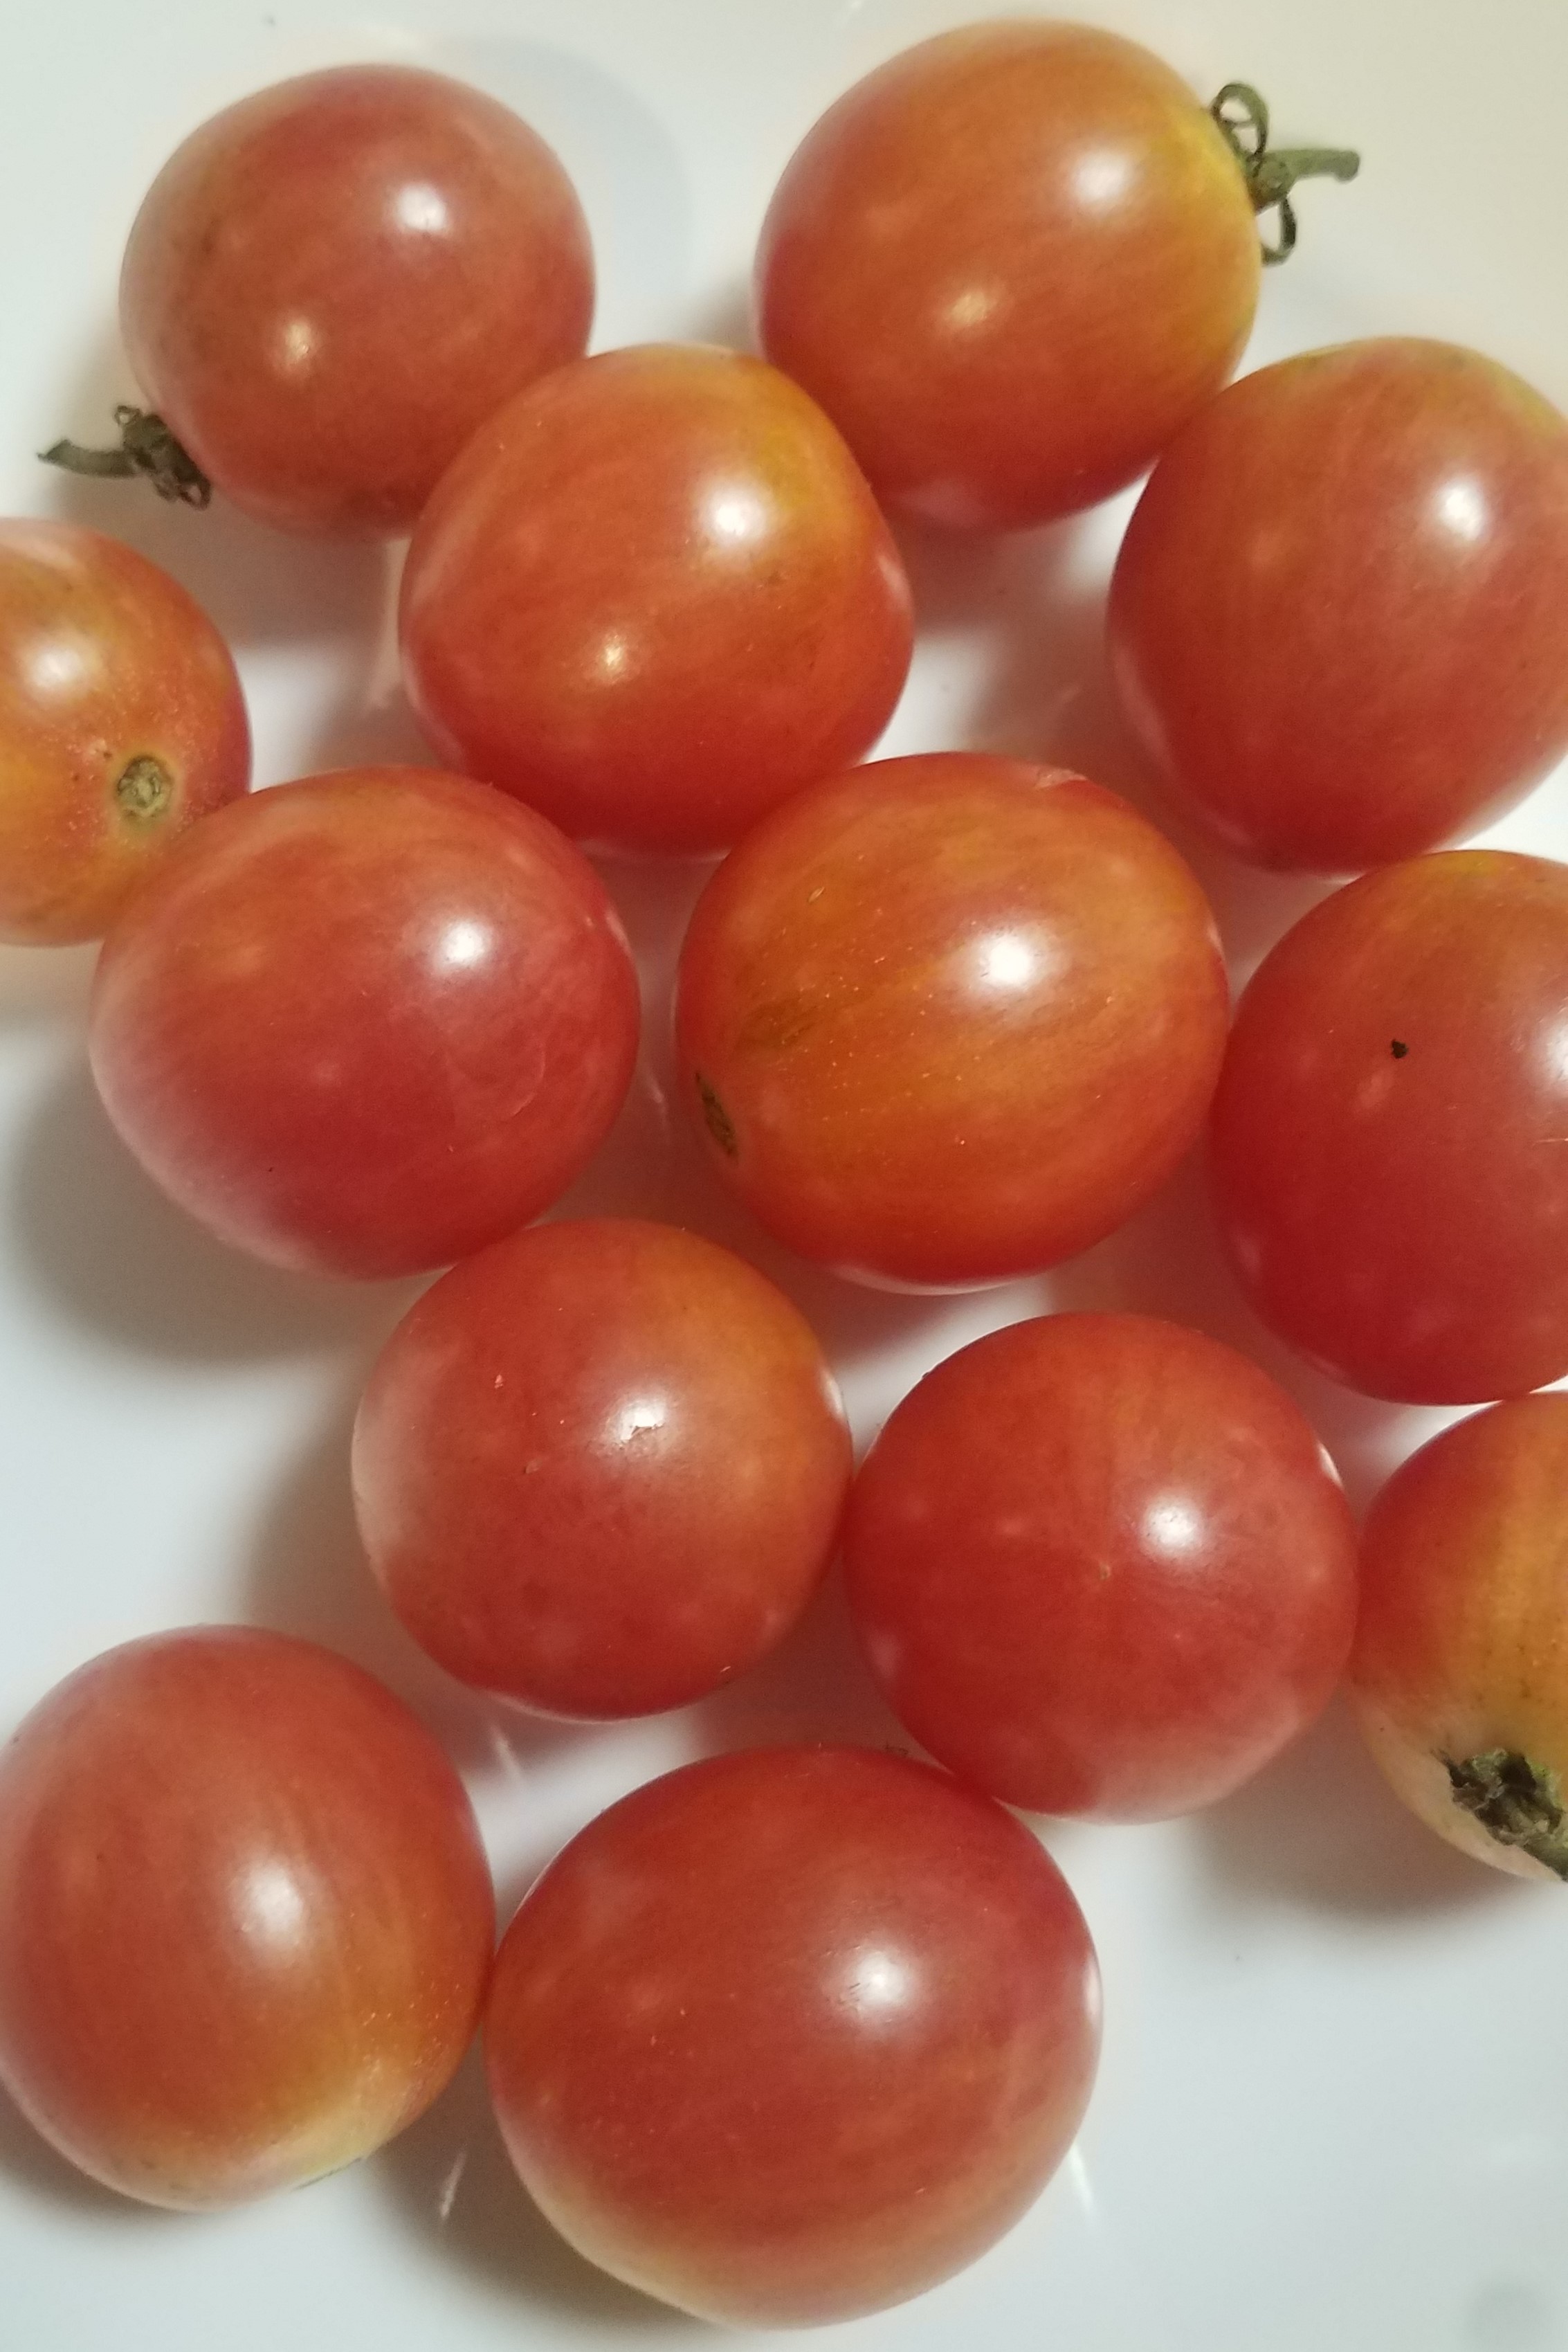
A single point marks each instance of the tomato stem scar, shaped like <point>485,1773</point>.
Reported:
<point>1516,1800</point>
<point>1242,115</point>
<point>144,787</point>
<point>147,448</point>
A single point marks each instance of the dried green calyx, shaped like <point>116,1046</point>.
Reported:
<point>1516,1802</point>
<point>1270,173</point>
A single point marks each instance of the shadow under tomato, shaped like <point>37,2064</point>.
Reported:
<point>28,2162</point>
<point>815,1688</point>
<point>39,984</point>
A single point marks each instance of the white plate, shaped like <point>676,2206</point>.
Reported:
<point>1333,2110</point>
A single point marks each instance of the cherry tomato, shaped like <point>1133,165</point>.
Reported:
<point>600,1467</point>
<point>122,722</point>
<point>654,596</point>
<point>1460,1673</point>
<point>1010,263</point>
<point>950,1019</point>
<point>1102,1565</point>
<point>1389,1147</point>
<point>244,1915</point>
<point>788,2036</point>
<point>331,284</point>
<point>365,1024</point>
<point>1340,613</point>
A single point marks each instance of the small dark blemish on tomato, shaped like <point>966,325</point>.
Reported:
<point>720,1126</point>
<point>1398,1048</point>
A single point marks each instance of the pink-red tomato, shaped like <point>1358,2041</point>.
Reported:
<point>122,722</point>
<point>1102,1565</point>
<point>1460,1672</point>
<point>653,597</point>
<point>950,1019</point>
<point>1460,1661</point>
<point>788,2036</point>
<point>330,284</point>
<point>245,1919</point>
<point>1010,263</point>
<point>366,1024</point>
<point>1340,613</point>
<point>1390,1137</point>
<point>600,1467</point>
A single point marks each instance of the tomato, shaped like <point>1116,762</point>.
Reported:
<point>1339,615</point>
<point>368,1023</point>
<point>1010,263</point>
<point>1388,1152</point>
<point>122,722</point>
<point>949,1019</point>
<point>330,285</point>
<point>1460,1673</point>
<point>244,1915</point>
<point>600,1467</point>
<point>789,2035</point>
<point>1102,1565</point>
<point>654,596</point>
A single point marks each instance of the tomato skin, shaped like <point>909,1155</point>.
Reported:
<point>245,1919</point>
<point>787,2036</point>
<point>1017,333</point>
<point>1461,1651</point>
<point>330,284</point>
<point>106,665</point>
<point>653,597</point>
<point>1383,1136</point>
<point>365,1024</point>
<point>1340,613</point>
<point>600,1467</point>
<point>949,1019</point>
<point>1100,1565</point>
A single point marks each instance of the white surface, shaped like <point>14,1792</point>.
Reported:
<point>1333,2111</point>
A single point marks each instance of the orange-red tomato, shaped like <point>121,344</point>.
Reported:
<point>1460,1672</point>
<point>1010,263</point>
<point>654,596</point>
<point>245,1918</point>
<point>122,722</point>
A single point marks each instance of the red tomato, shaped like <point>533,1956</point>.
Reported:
<point>789,2036</point>
<point>654,596</point>
<point>366,1024</point>
<point>1102,1565</point>
<point>950,1019</point>
<point>1460,1673</point>
<point>1390,1144</point>
<point>601,1468</point>
<point>244,1916</point>
<point>122,722</point>
<point>330,285</point>
<point>1339,615</point>
<point>1010,263</point>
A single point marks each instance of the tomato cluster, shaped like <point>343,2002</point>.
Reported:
<point>792,2034</point>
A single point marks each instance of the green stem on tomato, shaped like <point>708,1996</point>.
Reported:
<point>1515,1800</point>
<point>1270,173</point>
<point>147,448</point>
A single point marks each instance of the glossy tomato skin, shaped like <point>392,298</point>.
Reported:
<point>653,597</point>
<point>1384,1148</point>
<point>245,1919</point>
<point>1460,1673</point>
<point>600,1467</point>
<point>1100,1565</point>
<point>949,1019</point>
<point>122,722</point>
<point>330,284</point>
<point>1340,613</point>
<point>787,2036</point>
<point>1010,263</point>
<point>366,1024</point>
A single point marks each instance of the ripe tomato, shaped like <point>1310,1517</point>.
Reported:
<point>601,1468</point>
<point>788,2036</point>
<point>122,722</point>
<point>330,285</point>
<point>1339,615</point>
<point>947,1020</point>
<point>1460,1673</point>
<point>654,596</point>
<point>366,1024</point>
<point>1010,263</point>
<point>1389,1147</point>
<point>244,1915</point>
<point>1102,1565</point>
